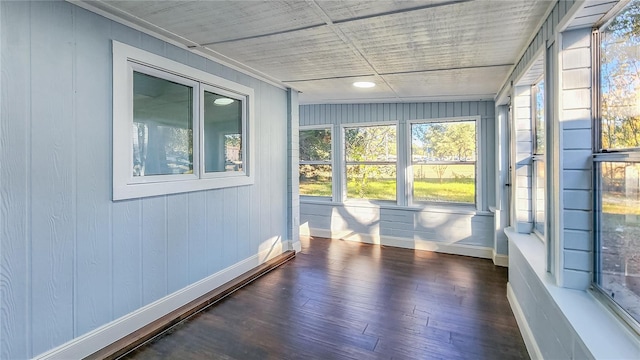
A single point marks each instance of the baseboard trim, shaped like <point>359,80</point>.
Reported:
<point>500,259</point>
<point>121,335</point>
<point>523,325</point>
<point>456,249</point>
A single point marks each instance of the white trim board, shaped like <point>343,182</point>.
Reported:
<point>107,334</point>
<point>500,259</point>
<point>529,340</point>
<point>416,244</point>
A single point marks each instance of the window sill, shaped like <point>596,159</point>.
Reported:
<point>597,327</point>
<point>452,209</point>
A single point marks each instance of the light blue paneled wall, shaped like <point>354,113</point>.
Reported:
<point>71,260</point>
<point>407,225</point>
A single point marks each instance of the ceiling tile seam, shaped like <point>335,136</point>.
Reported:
<point>343,21</point>
<point>348,41</point>
<point>264,35</point>
<point>446,69</point>
<point>330,78</point>
<point>401,72</point>
<point>400,11</point>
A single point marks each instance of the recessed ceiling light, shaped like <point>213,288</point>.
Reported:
<point>364,84</point>
<point>223,101</point>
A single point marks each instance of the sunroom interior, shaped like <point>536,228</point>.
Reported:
<point>153,151</point>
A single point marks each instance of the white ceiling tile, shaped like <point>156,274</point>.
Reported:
<point>213,21</point>
<point>308,54</point>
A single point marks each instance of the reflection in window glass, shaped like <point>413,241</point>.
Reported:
<point>539,205</point>
<point>619,231</point>
<point>620,80</point>
<point>315,163</point>
<point>443,156</point>
<point>370,154</point>
<point>538,116</point>
<point>222,133</point>
<point>162,126</point>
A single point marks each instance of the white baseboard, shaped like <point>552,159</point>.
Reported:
<point>500,259</point>
<point>523,325</point>
<point>296,246</point>
<point>107,334</point>
<point>417,244</point>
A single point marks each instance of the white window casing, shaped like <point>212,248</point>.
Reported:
<point>126,60</point>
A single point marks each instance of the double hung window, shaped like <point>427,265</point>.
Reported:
<point>315,163</point>
<point>370,162</point>
<point>443,161</point>
<point>617,163</point>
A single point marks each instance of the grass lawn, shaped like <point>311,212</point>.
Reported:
<point>449,190</point>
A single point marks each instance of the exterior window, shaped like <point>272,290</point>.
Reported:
<point>617,164</point>
<point>538,193</point>
<point>176,128</point>
<point>315,163</point>
<point>370,157</point>
<point>443,161</point>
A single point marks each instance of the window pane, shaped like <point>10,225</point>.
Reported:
<point>373,143</point>
<point>445,182</point>
<point>620,80</point>
<point>222,133</point>
<point>539,116</point>
<point>539,179</point>
<point>315,180</point>
<point>619,230</point>
<point>446,141</point>
<point>315,145</point>
<point>162,126</point>
<point>373,182</point>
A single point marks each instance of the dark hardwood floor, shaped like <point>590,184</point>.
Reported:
<point>346,300</point>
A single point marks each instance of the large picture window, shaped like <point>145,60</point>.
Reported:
<point>617,163</point>
<point>370,160</point>
<point>443,161</point>
<point>176,128</point>
<point>315,163</point>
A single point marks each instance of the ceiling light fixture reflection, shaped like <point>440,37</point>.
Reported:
<point>223,101</point>
<point>364,84</point>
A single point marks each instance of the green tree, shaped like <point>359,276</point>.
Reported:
<point>449,142</point>
<point>375,145</point>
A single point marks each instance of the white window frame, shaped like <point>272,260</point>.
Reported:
<point>479,172</point>
<point>127,58</point>
<point>536,157</point>
<point>330,162</point>
<point>343,162</point>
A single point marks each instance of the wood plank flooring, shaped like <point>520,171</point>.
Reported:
<point>346,300</point>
